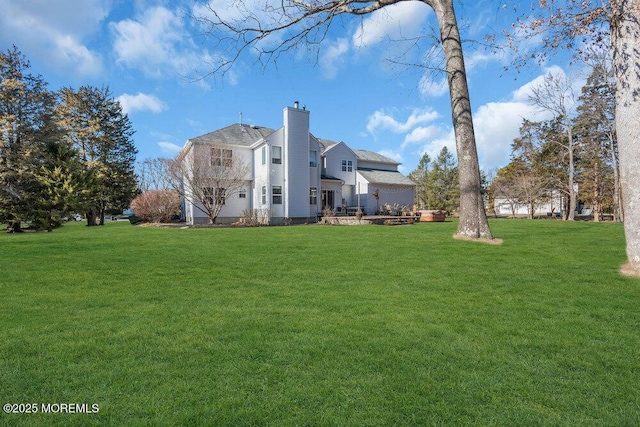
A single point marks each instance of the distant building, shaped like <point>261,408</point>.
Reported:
<point>551,205</point>
<point>294,175</point>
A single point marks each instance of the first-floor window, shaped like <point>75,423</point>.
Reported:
<point>313,196</point>
<point>213,195</point>
<point>276,195</point>
<point>264,194</point>
<point>220,196</point>
<point>242,194</point>
<point>208,194</point>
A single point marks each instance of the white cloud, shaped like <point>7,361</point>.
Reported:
<point>397,21</point>
<point>333,56</point>
<point>169,148</point>
<point>391,154</point>
<point>48,31</point>
<point>429,88</point>
<point>380,120</point>
<point>446,139</point>
<point>421,134</point>
<point>141,102</point>
<point>496,125</point>
<point>157,42</point>
<point>523,93</point>
<point>150,42</point>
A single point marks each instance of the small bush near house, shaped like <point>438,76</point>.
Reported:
<point>255,217</point>
<point>156,205</point>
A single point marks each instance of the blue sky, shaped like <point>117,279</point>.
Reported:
<point>147,51</point>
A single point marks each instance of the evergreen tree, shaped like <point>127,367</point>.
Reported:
<point>443,189</point>
<point>421,178</point>
<point>27,128</point>
<point>598,153</point>
<point>95,125</point>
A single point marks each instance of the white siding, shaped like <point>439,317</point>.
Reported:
<point>314,180</point>
<point>296,160</point>
<point>333,161</point>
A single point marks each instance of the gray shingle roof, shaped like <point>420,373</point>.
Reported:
<point>370,156</point>
<point>236,134</point>
<point>385,177</point>
<point>326,143</point>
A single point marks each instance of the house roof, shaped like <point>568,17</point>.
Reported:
<point>236,134</point>
<point>385,177</point>
<point>326,144</point>
<point>330,178</point>
<point>370,156</point>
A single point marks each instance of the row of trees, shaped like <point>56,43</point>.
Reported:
<point>60,151</point>
<point>574,154</point>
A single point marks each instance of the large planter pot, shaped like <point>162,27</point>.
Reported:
<point>432,216</point>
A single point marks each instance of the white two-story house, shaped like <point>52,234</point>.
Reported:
<point>294,176</point>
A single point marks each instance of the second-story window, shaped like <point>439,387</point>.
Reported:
<point>347,166</point>
<point>221,157</point>
<point>313,158</point>
<point>276,155</point>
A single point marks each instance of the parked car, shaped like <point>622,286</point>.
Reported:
<point>75,217</point>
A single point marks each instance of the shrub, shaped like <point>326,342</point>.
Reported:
<point>254,217</point>
<point>156,205</point>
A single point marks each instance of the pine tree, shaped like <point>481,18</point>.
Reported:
<point>595,125</point>
<point>95,125</point>
<point>421,177</point>
<point>26,129</point>
<point>443,189</point>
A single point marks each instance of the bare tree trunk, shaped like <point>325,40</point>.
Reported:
<point>91,217</point>
<point>597,205</point>
<point>617,202</point>
<point>14,227</point>
<point>625,39</point>
<point>473,220</point>
<point>101,216</point>
<point>572,175</point>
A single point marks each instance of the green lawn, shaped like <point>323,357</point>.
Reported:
<point>321,325</point>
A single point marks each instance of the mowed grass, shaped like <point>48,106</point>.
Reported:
<point>321,326</point>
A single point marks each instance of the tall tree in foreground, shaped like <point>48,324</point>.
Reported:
<point>571,24</point>
<point>305,24</point>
